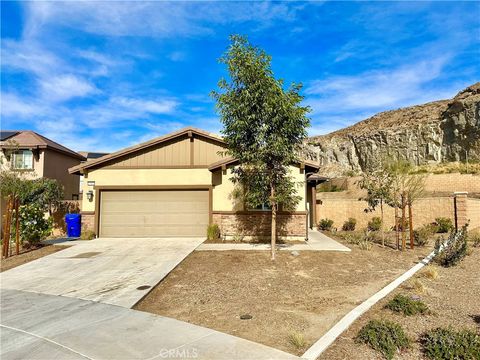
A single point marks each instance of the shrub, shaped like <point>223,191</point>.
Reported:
<point>375,224</point>
<point>384,336</point>
<point>364,240</point>
<point>423,234</point>
<point>441,343</point>
<point>354,238</point>
<point>444,225</point>
<point>407,305</point>
<point>454,250</point>
<point>87,235</point>
<point>349,225</point>
<point>34,227</point>
<point>325,224</point>
<point>213,232</point>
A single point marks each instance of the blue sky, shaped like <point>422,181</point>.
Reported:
<point>100,76</point>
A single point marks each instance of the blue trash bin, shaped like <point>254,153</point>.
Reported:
<point>74,225</point>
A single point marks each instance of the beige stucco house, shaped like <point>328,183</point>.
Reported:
<point>38,156</point>
<point>176,185</point>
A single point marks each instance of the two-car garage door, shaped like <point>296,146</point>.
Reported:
<point>156,213</point>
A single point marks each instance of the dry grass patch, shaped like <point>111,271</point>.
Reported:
<point>430,272</point>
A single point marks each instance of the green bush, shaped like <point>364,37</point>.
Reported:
<point>454,250</point>
<point>423,234</point>
<point>384,336</point>
<point>325,224</point>
<point>407,305</point>
<point>447,343</point>
<point>375,224</point>
<point>213,232</point>
<point>349,225</point>
<point>87,235</point>
<point>34,227</point>
<point>444,225</point>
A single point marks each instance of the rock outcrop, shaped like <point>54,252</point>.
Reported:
<point>440,131</point>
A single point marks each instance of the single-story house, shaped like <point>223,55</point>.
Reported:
<point>178,184</point>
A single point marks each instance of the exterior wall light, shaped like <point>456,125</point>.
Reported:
<point>90,195</point>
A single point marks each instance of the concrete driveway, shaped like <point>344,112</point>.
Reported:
<point>110,271</point>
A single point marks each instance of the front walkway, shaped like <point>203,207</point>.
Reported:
<point>317,241</point>
<point>114,271</point>
<point>39,326</point>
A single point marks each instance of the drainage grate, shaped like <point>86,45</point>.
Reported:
<point>144,287</point>
<point>85,255</point>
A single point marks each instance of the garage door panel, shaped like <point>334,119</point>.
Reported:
<point>154,213</point>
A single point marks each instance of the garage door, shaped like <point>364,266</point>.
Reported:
<point>165,213</point>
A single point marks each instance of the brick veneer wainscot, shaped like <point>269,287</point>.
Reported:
<point>258,224</point>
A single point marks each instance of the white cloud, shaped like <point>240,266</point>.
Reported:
<point>158,106</point>
<point>156,19</point>
<point>379,89</point>
<point>65,87</point>
<point>13,105</point>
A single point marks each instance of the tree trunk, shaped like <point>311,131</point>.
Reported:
<point>381,225</point>
<point>410,223</point>
<point>397,237</point>
<point>274,221</point>
<point>6,234</point>
<point>404,217</point>
<point>17,226</point>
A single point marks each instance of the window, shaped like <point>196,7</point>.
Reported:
<point>262,207</point>
<point>22,160</point>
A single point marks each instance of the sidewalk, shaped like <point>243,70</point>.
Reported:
<point>39,326</point>
<point>316,242</point>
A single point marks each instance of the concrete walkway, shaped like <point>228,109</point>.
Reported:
<point>106,270</point>
<point>39,326</point>
<point>317,241</point>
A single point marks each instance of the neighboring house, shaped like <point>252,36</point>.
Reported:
<point>38,157</point>
<point>176,185</point>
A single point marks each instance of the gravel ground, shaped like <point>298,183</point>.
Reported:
<point>453,297</point>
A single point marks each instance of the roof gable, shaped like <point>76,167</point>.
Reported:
<point>171,150</point>
<point>31,139</point>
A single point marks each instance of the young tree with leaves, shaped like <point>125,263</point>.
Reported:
<point>264,126</point>
<point>415,188</point>
<point>378,184</point>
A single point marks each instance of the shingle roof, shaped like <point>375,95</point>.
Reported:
<point>31,139</point>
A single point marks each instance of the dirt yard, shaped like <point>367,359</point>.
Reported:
<point>28,255</point>
<point>304,294</point>
<point>453,297</point>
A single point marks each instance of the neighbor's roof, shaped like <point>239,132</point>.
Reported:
<point>32,140</point>
<point>92,155</point>
<point>4,135</point>
<point>231,160</point>
<point>185,131</point>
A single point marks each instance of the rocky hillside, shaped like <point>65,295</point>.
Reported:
<point>435,132</point>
